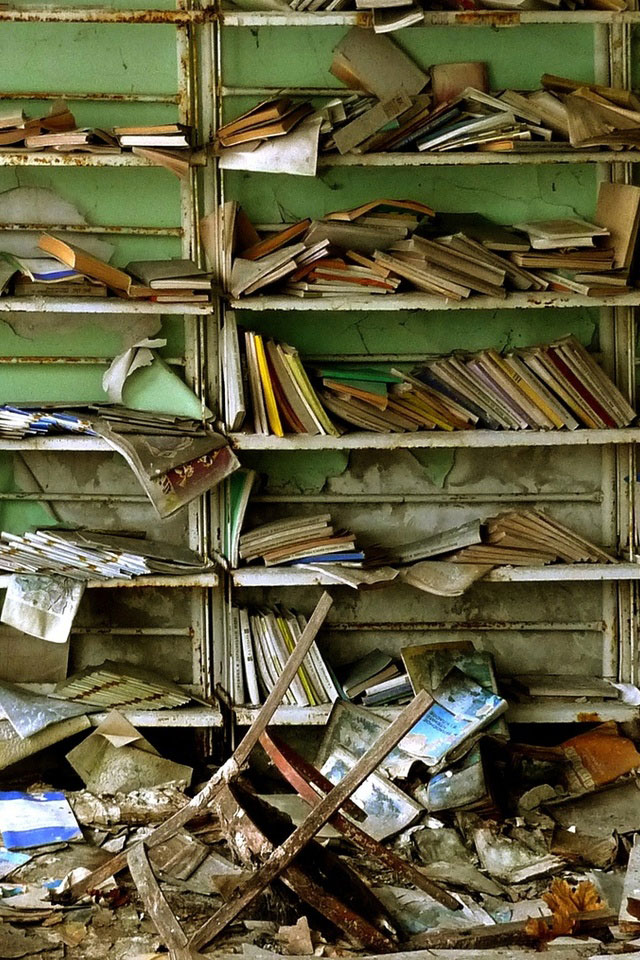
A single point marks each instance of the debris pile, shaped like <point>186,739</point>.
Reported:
<point>435,830</point>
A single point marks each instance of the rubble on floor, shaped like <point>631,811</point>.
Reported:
<point>501,849</point>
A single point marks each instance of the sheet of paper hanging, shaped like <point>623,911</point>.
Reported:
<point>26,205</point>
<point>296,153</point>
<point>180,484</point>
<point>29,712</point>
<point>41,606</point>
<point>156,455</point>
<point>137,356</point>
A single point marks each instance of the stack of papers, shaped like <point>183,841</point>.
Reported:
<point>93,556</point>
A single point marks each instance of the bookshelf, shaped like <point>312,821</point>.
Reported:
<point>149,60</point>
<point>562,618</point>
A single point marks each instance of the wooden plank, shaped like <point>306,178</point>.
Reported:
<point>301,774</point>
<point>228,770</point>
<point>316,818</point>
<point>509,934</point>
<point>156,905</point>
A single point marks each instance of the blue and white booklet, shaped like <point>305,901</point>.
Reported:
<point>36,819</point>
<point>461,707</point>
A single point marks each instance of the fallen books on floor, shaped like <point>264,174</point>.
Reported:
<point>299,540</point>
<point>261,642</point>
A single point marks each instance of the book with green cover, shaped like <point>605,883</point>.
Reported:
<point>238,491</point>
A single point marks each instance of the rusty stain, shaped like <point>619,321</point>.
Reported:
<point>592,717</point>
<point>90,15</point>
<point>364,19</point>
<point>488,18</point>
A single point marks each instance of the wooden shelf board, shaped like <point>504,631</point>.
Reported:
<point>477,158</point>
<point>203,580</point>
<point>433,18</point>
<point>566,572</point>
<point>197,716</point>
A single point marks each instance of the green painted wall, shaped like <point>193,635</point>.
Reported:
<point>77,58</point>
<point>517,57</point>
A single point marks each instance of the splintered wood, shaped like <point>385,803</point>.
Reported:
<point>227,771</point>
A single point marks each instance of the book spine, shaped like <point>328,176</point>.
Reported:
<point>264,671</point>
<point>267,387</point>
<point>250,672</point>
<point>237,679</point>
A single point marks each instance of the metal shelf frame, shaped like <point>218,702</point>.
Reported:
<point>192,108</point>
<point>612,46</point>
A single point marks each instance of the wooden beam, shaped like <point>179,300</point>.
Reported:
<point>315,819</point>
<point>228,771</point>
<point>301,774</point>
<point>162,916</point>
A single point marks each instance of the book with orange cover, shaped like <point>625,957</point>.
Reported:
<point>265,131</point>
<point>598,757</point>
<point>263,112</point>
<point>414,205</point>
<point>276,240</point>
<point>86,264</point>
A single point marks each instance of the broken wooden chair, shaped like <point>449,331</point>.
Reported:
<point>322,809</point>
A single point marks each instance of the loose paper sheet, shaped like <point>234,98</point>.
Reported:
<point>41,606</point>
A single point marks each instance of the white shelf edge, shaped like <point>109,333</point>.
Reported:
<point>471,18</point>
<point>198,716</point>
<point>455,439</point>
<point>543,710</point>
<point>566,572</point>
<point>203,580</point>
<point>420,301</point>
<point>52,14</point>
<point>476,159</point>
<point>112,305</point>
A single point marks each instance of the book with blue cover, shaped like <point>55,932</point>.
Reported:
<point>461,707</point>
<point>35,819</point>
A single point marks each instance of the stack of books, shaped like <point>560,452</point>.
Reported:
<point>547,387</point>
<point>169,136</point>
<point>93,556</point>
<point>299,540</point>
<point>528,538</point>
<point>161,281</point>
<point>16,128</point>
<point>269,119</point>
<point>385,246</point>
<point>113,684</point>
<point>261,642</point>
<point>282,397</point>
<point>15,424</point>
<point>376,678</point>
